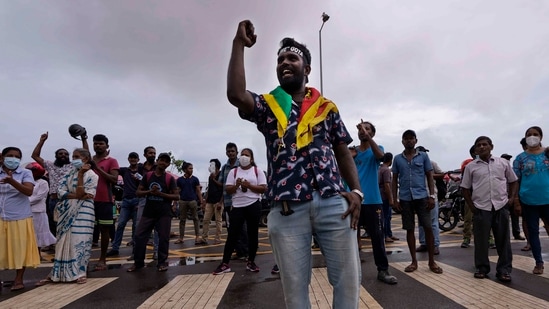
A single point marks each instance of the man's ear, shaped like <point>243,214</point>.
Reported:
<point>307,70</point>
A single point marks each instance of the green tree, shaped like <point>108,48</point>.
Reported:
<point>176,164</point>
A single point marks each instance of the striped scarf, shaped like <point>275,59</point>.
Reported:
<point>314,109</point>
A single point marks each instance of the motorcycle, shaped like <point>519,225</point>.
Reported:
<point>452,209</point>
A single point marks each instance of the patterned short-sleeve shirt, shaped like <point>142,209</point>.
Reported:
<point>56,174</point>
<point>294,174</point>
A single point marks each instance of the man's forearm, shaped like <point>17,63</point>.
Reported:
<point>236,79</point>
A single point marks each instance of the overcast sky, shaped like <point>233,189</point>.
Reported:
<point>154,72</point>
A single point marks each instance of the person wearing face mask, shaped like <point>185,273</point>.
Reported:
<point>17,239</point>
<point>245,183</point>
<point>75,222</point>
<point>214,194</point>
<point>532,169</point>
<point>56,171</point>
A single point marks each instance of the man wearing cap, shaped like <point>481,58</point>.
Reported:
<point>107,169</point>
<point>412,195</point>
<point>160,190</point>
<point>307,157</point>
<point>437,174</point>
<point>131,176</point>
<point>56,171</point>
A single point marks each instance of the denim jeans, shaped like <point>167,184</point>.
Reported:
<point>387,216</point>
<point>128,211</point>
<point>434,225</point>
<point>291,237</point>
<point>532,214</point>
<point>373,216</point>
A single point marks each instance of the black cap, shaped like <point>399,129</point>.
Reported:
<point>421,148</point>
<point>133,155</point>
<point>165,155</point>
<point>506,156</point>
<point>409,132</point>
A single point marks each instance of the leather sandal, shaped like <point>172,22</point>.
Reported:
<point>538,270</point>
<point>44,282</point>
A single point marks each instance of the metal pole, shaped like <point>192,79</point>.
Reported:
<point>325,18</point>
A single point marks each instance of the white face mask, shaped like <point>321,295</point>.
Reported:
<point>211,169</point>
<point>244,160</point>
<point>532,141</point>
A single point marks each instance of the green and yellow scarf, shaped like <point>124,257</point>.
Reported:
<point>314,110</point>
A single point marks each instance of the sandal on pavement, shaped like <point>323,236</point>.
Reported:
<point>436,269</point>
<point>82,280</point>
<point>480,275</point>
<point>526,248</point>
<point>44,282</point>
<point>538,270</point>
<point>134,268</point>
<point>162,268</point>
<point>410,268</point>
<point>17,287</point>
<point>179,241</point>
<point>100,266</point>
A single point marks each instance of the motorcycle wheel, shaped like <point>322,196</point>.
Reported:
<point>447,219</point>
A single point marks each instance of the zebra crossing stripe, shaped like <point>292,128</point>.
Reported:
<point>190,291</point>
<point>55,295</point>
<point>461,287</point>
<point>523,263</point>
<point>321,292</point>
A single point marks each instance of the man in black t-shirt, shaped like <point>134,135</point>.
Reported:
<point>160,190</point>
<point>213,206</point>
<point>131,176</point>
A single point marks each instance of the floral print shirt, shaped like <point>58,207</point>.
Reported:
<point>293,174</point>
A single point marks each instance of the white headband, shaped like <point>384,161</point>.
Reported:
<point>292,49</point>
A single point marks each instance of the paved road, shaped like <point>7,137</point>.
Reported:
<point>188,285</point>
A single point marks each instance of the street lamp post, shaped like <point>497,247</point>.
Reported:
<point>325,18</point>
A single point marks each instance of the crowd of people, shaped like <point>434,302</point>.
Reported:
<point>318,186</point>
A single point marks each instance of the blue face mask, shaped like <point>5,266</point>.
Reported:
<point>77,163</point>
<point>11,163</point>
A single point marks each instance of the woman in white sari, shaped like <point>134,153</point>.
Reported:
<point>75,222</point>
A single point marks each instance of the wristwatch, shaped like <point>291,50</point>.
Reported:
<point>433,196</point>
<point>357,191</point>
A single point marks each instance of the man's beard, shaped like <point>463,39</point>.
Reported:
<point>150,160</point>
<point>61,161</point>
<point>292,85</point>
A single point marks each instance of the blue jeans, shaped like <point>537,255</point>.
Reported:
<point>291,236</point>
<point>128,211</point>
<point>387,215</point>
<point>532,214</point>
<point>434,225</point>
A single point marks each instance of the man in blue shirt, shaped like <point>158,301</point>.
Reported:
<point>367,156</point>
<point>410,168</point>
